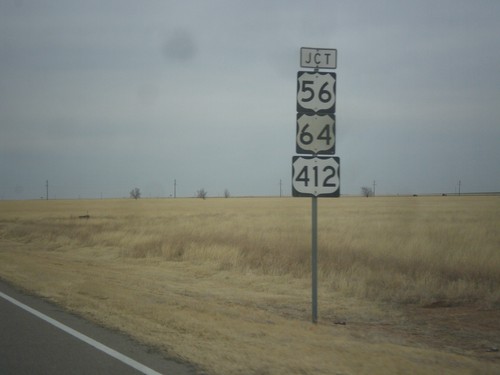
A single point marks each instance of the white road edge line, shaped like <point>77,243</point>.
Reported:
<point>111,352</point>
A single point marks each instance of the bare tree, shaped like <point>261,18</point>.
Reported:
<point>366,191</point>
<point>135,193</point>
<point>202,193</point>
<point>226,194</point>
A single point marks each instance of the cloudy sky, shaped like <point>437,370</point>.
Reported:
<point>99,97</point>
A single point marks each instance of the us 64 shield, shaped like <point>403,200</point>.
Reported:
<point>315,134</point>
<point>316,176</point>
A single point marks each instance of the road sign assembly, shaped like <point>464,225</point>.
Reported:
<point>315,132</point>
<point>315,175</point>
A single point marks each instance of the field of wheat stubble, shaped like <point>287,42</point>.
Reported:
<point>406,284</point>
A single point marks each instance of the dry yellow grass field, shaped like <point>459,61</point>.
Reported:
<point>406,284</point>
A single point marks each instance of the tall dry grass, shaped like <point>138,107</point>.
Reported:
<point>397,249</point>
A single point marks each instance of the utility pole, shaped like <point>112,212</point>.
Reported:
<point>459,183</point>
<point>47,188</point>
<point>373,187</point>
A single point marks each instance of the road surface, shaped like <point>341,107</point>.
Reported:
<point>37,337</point>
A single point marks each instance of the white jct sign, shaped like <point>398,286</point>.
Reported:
<point>316,92</point>
<point>315,134</point>
<point>318,58</point>
<point>315,176</point>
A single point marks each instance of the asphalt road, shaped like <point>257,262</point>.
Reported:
<point>37,337</point>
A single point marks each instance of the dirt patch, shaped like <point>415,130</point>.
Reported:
<point>466,330</point>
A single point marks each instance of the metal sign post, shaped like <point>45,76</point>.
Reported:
<point>314,175</point>
<point>314,258</point>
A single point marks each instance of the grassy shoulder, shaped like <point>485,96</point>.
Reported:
<point>222,284</point>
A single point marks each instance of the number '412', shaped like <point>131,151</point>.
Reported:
<point>327,175</point>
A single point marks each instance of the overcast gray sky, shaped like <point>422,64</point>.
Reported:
<point>98,97</point>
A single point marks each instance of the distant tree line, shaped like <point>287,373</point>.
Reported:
<point>135,193</point>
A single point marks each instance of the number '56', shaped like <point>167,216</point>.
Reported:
<point>316,92</point>
<point>324,95</point>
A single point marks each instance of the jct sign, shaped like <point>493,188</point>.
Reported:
<point>319,58</point>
